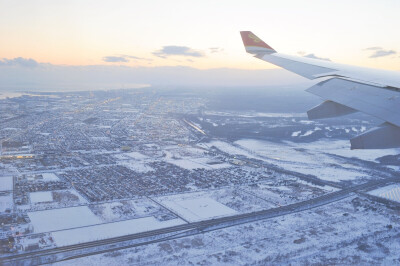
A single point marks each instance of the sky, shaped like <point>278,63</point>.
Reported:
<point>197,34</point>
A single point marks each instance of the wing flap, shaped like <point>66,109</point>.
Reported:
<point>376,101</point>
<point>329,109</point>
<point>382,137</point>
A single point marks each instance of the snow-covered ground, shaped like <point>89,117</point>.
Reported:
<point>41,196</point>
<point>6,201</point>
<point>294,191</point>
<point>137,166</point>
<point>348,232</point>
<point>309,158</point>
<point>136,155</point>
<point>228,148</point>
<point>6,183</point>
<point>53,199</point>
<point>63,218</point>
<point>108,230</point>
<point>191,158</point>
<point>122,210</point>
<point>342,148</point>
<point>135,161</point>
<point>50,177</point>
<point>198,209</point>
<point>197,163</point>
<point>391,192</point>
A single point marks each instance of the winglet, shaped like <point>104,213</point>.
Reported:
<point>255,45</point>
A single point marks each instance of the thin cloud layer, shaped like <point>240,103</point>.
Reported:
<point>215,50</point>
<point>373,48</point>
<point>379,52</point>
<point>123,58</point>
<point>173,50</point>
<point>313,56</point>
<point>19,61</point>
<point>382,53</point>
<point>115,59</point>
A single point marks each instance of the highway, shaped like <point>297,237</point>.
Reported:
<point>144,238</point>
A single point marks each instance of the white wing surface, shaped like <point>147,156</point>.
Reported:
<point>348,89</point>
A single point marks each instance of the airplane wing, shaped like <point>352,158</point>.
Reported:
<point>345,89</point>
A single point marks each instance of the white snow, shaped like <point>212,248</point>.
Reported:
<point>6,183</point>
<point>306,158</point>
<point>50,177</point>
<point>6,202</point>
<point>137,166</point>
<point>136,155</point>
<point>296,133</point>
<point>391,192</point>
<point>308,133</point>
<point>41,196</point>
<point>306,122</point>
<point>228,148</point>
<point>197,209</point>
<point>342,148</point>
<point>191,158</point>
<point>197,163</point>
<point>109,230</point>
<point>64,218</point>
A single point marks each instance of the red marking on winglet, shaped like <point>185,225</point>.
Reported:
<point>250,39</point>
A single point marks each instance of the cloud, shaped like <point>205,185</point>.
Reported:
<point>313,56</point>
<point>215,50</point>
<point>115,59</point>
<point>135,57</point>
<point>177,50</point>
<point>382,53</point>
<point>123,58</point>
<point>379,52</point>
<point>19,61</point>
<point>373,48</point>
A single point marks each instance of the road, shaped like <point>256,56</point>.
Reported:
<point>144,238</point>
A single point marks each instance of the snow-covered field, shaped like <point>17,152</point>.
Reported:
<point>121,210</point>
<point>295,191</point>
<point>50,177</point>
<point>137,166</point>
<point>391,192</point>
<point>6,201</point>
<point>136,155</point>
<point>135,161</point>
<point>308,158</point>
<point>191,158</point>
<point>348,232</point>
<point>198,209</point>
<point>108,230</point>
<point>41,196</point>
<point>197,163</point>
<point>228,148</point>
<point>53,199</point>
<point>6,183</point>
<point>212,203</point>
<point>63,218</point>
